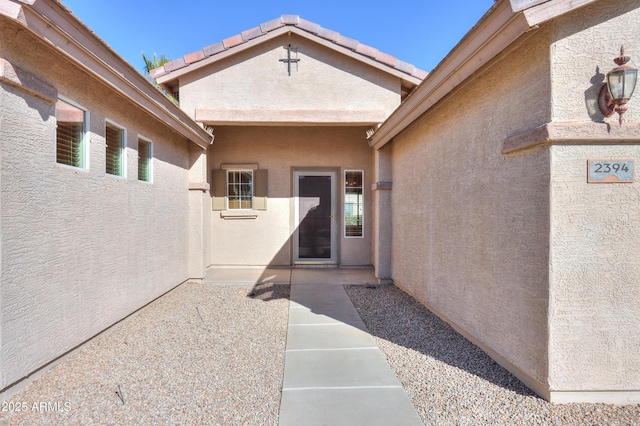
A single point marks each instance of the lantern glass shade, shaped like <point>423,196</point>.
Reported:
<point>622,83</point>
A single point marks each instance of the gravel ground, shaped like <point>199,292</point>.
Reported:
<point>452,382</point>
<point>211,354</point>
<point>201,354</point>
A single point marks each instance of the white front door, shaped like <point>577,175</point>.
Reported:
<point>315,217</point>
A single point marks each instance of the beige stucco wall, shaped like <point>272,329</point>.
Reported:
<point>266,240</point>
<point>470,225</point>
<point>518,251</point>
<point>255,79</point>
<point>80,250</point>
<point>595,270</point>
<point>199,213</point>
<point>595,228</point>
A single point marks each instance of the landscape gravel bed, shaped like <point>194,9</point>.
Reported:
<point>214,354</point>
<point>451,381</point>
<point>200,354</point>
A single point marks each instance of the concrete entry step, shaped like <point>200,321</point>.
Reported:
<point>338,276</point>
<point>334,372</point>
<point>247,275</point>
<point>286,275</point>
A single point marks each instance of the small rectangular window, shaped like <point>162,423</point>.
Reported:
<point>239,189</point>
<point>220,182</point>
<point>144,160</point>
<point>71,123</point>
<point>114,150</point>
<point>353,203</point>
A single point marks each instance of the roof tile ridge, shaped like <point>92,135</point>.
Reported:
<point>305,25</point>
<point>360,48</point>
<point>308,26</point>
<point>290,19</point>
<point>251,33</point>
<point>225,44</point>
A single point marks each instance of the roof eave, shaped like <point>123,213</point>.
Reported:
<point>540,12</point>
<point>52,22</point>
<point>494,33</point>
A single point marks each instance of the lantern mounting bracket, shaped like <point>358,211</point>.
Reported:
<point>607,107</point>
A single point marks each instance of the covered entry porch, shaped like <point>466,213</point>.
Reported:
<point>291,196</point>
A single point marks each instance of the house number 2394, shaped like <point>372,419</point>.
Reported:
<point>610,171</point>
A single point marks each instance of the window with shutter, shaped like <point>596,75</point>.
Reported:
<point>145,155</point>
<point>238,188</point>
<point>70,134</point>
<point>114,150</point>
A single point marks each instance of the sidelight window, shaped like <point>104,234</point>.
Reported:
<point>353,203</point>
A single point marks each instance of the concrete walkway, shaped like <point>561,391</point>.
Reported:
<point>334,373</point>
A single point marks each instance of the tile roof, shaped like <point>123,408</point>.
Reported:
<point>296,21</point>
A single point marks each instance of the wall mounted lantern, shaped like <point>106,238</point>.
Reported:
<point>618,88</point>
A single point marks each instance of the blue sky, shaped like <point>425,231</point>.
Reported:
<point>420,32</point>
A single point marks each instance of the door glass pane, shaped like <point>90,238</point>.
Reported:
<point>314,227</point>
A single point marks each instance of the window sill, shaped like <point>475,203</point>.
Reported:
<point>111,175</point>
<point>238,214</point>
<point>72,168</point>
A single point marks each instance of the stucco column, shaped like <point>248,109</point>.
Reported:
<point>198,213</point>
<point>382,215</point>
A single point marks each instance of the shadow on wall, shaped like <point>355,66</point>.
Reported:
<point>591,97</point>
